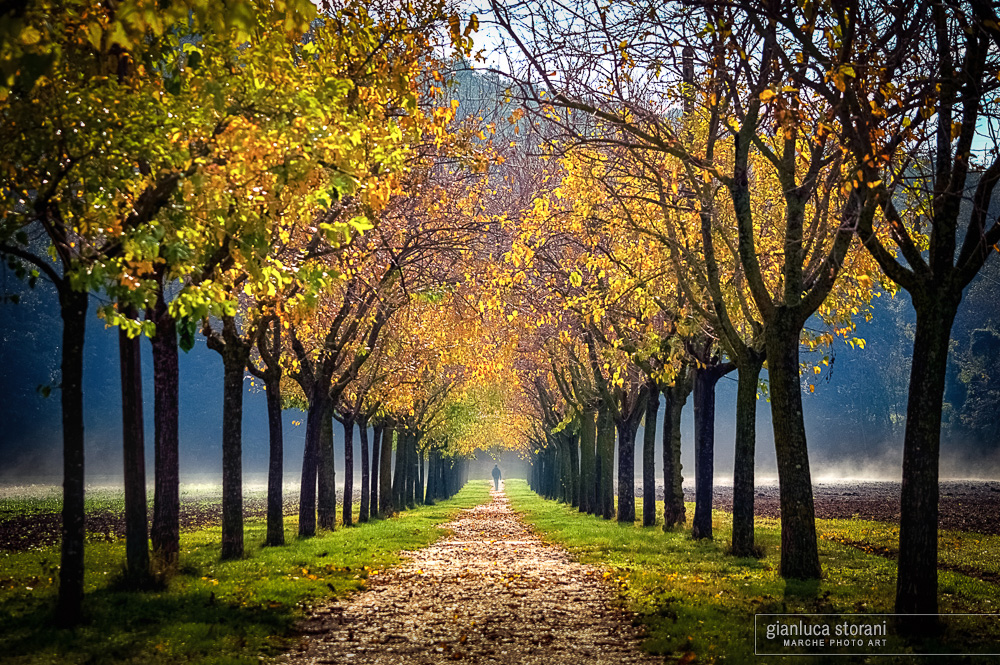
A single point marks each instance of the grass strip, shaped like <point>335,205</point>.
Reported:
<point>233,612</point>
<point>698,603</point>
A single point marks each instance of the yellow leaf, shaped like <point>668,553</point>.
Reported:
<point>30,35</point>
<point>767,95</point>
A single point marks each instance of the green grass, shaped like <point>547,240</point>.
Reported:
<point>212,611</point>
<point>698,602</point>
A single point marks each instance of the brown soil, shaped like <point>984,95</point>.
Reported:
<point>19,532</point>
<point>965,505</point>
<point>491,592</point>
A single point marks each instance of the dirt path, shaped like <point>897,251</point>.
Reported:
<point>491,592</point>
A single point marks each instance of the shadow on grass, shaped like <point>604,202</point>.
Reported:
<point>122,626</point>
<point>802,589</point>
<point>232,612</point>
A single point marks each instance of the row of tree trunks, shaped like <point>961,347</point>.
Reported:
<point>574,469</point>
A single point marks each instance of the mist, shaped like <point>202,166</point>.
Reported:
<point>854,419</point>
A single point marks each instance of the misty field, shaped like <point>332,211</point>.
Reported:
<point>689,595</point>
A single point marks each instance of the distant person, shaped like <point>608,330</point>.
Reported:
<point>496,477</point>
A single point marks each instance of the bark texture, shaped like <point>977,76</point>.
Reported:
<point>315,418</point>
<point>588,463</point>
<point>743,462</point>
<point>799,554</point>
<point>916,582</point>
<point>649,457</point>
<point>376,471</point>
<point>275,464</point>
<point>606,463</point>
<point>326,496</point>
<point>134,457</point>
<point>348,511</point>
<point>165,532</point>
<point>364,506</point>
<point>675,397</point>
<point>385,505</point>
<point>73,310</point>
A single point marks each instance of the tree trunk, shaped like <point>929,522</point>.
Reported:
<point>588,463</point>
<point>553,468</point>
<point>421,476</point>
<point>916,582</point>
<point>675,396</point>
<point>606,462</point>
<point>385,504</point>
<point>399,477</point>
<point>234,362</point>
<point>363,507</point>
<point>316,417</point>
<point>165,532</point>
<point>430,495</point>
<point>326,504</point>
<point>743,463</point>
<point>649,457</point>
<point>348,472</point>
<point>376,468</point>
<point>799,555</point>
<point>627,430</point>
<point>704,450</point>
<point>134,456</point>
<point>73,310</point>
<point>275,462</point>
<point>574,466</point>
<point>409,489</point>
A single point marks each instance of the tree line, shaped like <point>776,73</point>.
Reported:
<point>718,176</point>
<point>293,183</point>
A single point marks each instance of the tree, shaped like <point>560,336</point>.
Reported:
<point>909,87</point>
<point>817,218</point>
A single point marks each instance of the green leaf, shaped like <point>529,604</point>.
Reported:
<point>186,329</point>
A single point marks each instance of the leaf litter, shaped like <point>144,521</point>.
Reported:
<point>490,592</point>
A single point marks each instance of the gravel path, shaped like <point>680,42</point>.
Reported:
<point>491,592</point>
